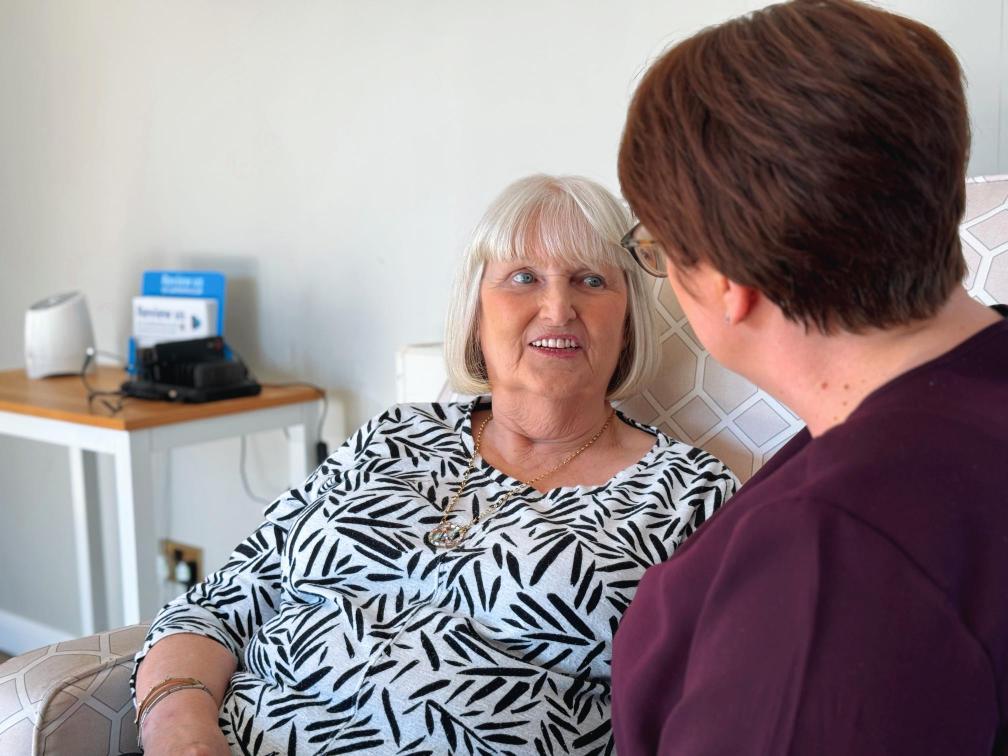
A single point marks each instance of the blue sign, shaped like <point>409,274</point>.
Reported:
<point>187,283</point>
<point>182,283</point>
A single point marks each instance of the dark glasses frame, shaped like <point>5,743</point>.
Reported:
<point>647,253</point>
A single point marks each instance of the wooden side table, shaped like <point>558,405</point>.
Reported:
<point>55,410</point>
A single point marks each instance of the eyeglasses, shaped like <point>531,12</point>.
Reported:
<point>648,253</point>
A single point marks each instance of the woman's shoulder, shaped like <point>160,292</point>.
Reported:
<point>413,423</point>
<point>448,415</point>
<point>402,431</point>
<point>685,462</point>
<point>669,447</point>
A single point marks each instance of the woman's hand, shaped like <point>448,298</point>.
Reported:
<point>184,724</point>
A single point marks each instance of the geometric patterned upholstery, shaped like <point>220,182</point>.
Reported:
<point>985,239</point>
<point>698,401</point>
<point>71,698</point>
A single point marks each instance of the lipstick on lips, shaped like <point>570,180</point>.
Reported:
<point>559,345</point>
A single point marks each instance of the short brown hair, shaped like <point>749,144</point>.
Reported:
<point>814,150</point>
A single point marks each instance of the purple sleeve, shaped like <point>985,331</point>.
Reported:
<point>816,634</point>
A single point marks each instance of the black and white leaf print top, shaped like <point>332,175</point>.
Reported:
<point>355,636</point>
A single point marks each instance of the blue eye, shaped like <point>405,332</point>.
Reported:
<point>594,282</point>
<point>522,277</point>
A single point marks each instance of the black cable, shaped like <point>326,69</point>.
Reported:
<point>93,393</point>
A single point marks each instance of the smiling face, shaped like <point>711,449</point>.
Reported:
<point>552,327</point>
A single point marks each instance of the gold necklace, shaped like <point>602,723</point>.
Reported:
<point>449,535</point>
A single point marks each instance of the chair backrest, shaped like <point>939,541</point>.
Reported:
<point>702,403</point>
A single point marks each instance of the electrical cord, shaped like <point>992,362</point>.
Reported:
<point>244,476</point>
<point>92,392</point>
<point>321,449</point>
<point>322,395</point>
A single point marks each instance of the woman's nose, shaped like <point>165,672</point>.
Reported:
<point>557,304</point>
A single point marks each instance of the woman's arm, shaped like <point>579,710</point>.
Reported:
<point>204,633</point>
<point>201,634</point>
<point>186,721</point>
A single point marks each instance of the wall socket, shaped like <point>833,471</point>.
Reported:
<point>183,563</point>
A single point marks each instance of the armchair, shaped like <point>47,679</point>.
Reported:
<point>73,697</point>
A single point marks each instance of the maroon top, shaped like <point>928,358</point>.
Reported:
<point>852,598</point>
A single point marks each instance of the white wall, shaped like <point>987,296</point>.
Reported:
<point>331,158</point>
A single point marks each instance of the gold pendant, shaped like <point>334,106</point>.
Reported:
<point>447,535</point>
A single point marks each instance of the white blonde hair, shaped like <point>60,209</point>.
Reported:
<point>561,218</point>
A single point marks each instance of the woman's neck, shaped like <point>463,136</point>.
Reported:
<point>535,428</point>
<point>825,378</point>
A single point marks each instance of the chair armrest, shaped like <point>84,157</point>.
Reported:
<point>71,697</point>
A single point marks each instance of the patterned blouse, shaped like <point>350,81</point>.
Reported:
<point>354,635</point>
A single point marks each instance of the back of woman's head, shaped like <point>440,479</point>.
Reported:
<point>815,150</point>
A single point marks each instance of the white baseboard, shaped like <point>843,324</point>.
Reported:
<point>19,634</point>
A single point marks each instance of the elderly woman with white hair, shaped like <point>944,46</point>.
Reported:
<point>450,579</point>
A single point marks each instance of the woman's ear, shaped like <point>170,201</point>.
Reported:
<point>738,300</point>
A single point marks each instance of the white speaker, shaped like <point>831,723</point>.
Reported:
<point>58,334</point>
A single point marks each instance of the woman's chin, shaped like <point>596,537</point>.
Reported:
<point>563,388</point>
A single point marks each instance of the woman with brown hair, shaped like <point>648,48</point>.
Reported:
<point>799,176</point>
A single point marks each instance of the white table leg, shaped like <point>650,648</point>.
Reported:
<point>301,440</point>
<point>87,539</point>
<point>137,532</point>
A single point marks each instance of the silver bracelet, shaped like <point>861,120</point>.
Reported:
<point>150,702</point>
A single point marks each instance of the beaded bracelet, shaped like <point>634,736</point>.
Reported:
<point>160,692</point>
